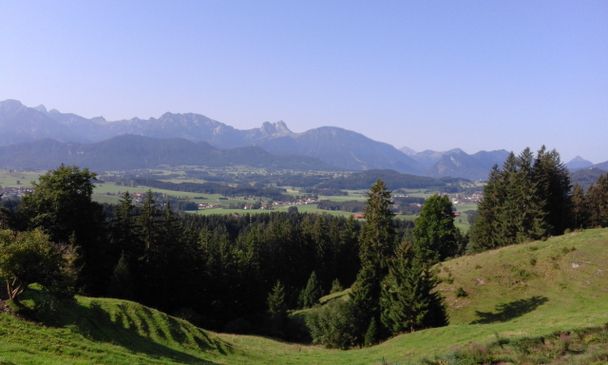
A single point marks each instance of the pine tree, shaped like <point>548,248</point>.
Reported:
<point>484,232</point>
<point>364,299</point>
<point>336,286</point>
<point>147,221</point>
<point>124,234</point>
<point>531,220</point>
<point>121,283</point>
<point>408,300</point>
<point>376,246</point>
<point>378,232</point>
<point>580,211</point>
<point>553,186</point>
<point>371,335</point>
<point>277,307</point>
<point>597,198</point>
<point>311,293</point>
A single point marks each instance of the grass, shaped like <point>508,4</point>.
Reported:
<point>517,293</point>
<point>11,178</point>
<point>584,346</point>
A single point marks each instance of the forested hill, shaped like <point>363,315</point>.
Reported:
<point>393,179</point>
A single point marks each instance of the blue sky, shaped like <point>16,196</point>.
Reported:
<point>425,74</point>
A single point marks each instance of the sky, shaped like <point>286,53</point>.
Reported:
<point>479,75</point>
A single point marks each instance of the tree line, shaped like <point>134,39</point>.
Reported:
<point>531,197</point>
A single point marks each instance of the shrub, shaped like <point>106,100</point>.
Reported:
<point>461,293</point>
<point>332,325</point>
<point>29,257</point>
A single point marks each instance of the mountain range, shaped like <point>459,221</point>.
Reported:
<point>128,152</point>
<point>37,137</point>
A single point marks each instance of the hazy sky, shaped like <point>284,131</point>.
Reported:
<point>425,74</point>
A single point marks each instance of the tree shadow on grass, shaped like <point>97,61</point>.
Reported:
<point>507,311</point>
<point>128,330</point>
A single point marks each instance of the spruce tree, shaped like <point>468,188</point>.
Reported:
<point>378,234</point>
<point>147,221</point>
<point>579,208</point>
<point>336,286</point>
<point>124,234</point>
<point>553,186</point>
<point>121,283</point>
<point>372,335</point>
<point>408,300</point>
<point>484,231</point>
<point>376,244</point>
<point>311,293</point>
<point>364,299</point>
<point>597,198</point>
<point>277,307</point>
<point>531,220</point>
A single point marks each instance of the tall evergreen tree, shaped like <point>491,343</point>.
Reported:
<point>311,293</point>
<point>597,198</point>
<point>277,307</point>
<point>529,200</point>
<point>378,234</point>
<point>579,208</point>
<point>147,221</point>
<point>121,283</point>
<point>553,186</point>
<point>124,232</point>
<point>408,300</point>
<point>376,244</point>
<point>484,232</point>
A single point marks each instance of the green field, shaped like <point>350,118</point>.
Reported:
<point>109,193</point>
<point>11,178</point>
<point>527,290</point>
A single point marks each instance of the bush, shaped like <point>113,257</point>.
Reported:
<point>29,257</point>
<point>461,293</point>
<point>332,325</point>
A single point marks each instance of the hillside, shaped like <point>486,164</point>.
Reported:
<point>526,290</point>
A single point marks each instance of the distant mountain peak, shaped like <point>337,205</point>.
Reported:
<point>41,108</point>
<point>578,163</point>
<point>10,105</point>
<point>276,129</point>
<point>579,158</point>
<point>408,151</point>
<point>455,151</point>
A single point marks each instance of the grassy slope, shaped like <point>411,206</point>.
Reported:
<point>519,291</point>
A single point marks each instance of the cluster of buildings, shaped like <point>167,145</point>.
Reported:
<point>15,192</point>
<point>466,198</point>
